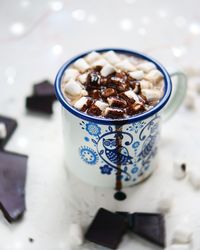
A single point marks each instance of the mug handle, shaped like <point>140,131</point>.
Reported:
<point>179,89</point>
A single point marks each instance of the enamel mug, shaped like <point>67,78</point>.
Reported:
<point>90,142</point>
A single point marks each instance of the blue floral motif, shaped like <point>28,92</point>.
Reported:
<point>86,138</point>
<point>136,144</point>
<point>106,169</point>
<point>134,170</point>
<point>93,129</point>
<point>88,155</point>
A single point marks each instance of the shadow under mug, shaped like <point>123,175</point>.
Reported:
<point>90,142</point>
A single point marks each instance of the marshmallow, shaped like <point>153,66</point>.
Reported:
<point>3,130</point>
<point>165,203</point>
<point>146,84</point>
<point>194,178</point>
<point>146,66</point>
<point>84,92</point>
<point>81,102</point>
<point>182,235</point>
<point>75,235</point>
<point>82,78</point>
<point>73,88</point>
<point>190,100</point>
<point>179,170</point>
<point>92,56</point>
<point>101,105</point>
<point>125,65</point>
<point>100,62</point>
<point>138,74</point>
<point>131,95</point>
<point>112,57</point>
<point>70,74</point>
<point>179,247</point>
<point>152,94</point>
<point>81,65</point>
<point>107,70</point>
<point>154,75</point>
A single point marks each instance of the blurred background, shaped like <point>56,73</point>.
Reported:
<point>36,38</point>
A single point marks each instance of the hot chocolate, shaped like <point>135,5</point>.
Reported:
<point>112,85</point>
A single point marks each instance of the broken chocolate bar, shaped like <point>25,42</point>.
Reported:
<point>107,229</point>
<point>150,226</point>
<point>11,125</point>
<point>42,98</point>
<point>41,104</point>
<point>13,169</point>
<point>44,88</point>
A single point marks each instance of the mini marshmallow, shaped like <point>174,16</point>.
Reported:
<point>84,92</point>
<point>73,88</point>
<point>179,247</point>
<point>93,56</point>
<point>152,94</point>
<point>194,178</point>
<point>146,84</point>
<point>81,102</point>
<point>3,130</point>
<point>190,100</point>
<point>101,105</point>
<point>179,170</point>
<point>182,235</point>
<point>131,95</point>
<point>82,78</point>
<point>138,74</point>
<point>81,65</point>
<point>125,65</point>
<point>107,70</point>
<point>101,62</point>
<point>70,74</point>
<point>154,75</point>
<point>146,66</point>
<point>165,203</point>
<point>112,57</point>
<point>75,235</point>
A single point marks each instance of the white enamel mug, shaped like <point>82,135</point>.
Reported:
<point>90,142</point>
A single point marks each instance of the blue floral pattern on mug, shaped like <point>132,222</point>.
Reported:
<point>138,147</point>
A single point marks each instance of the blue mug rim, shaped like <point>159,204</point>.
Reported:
<point>105,121</point>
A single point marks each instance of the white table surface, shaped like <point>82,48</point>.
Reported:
<point>36,38</point>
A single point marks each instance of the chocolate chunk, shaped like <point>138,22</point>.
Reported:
<point>42,104</point>
<point>135,108</point>
<point>117,102</point>
<point>150,227</point>
<point>120,196</point>
<point>94,110</point>
<point>95,94</point>
<point>11,125</point>
<point>93,79</point>
<point>183,167</point>
<point>118,78</point>
<point>114,113</point>
<point>107,229</point>
<point>98,68</point>
<point>109,92</point>
<point>13,169</point>
<point>44,88</point>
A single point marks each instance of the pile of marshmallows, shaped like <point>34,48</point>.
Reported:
<point>143,71</point>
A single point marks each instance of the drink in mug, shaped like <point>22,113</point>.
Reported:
<point>112,106</point>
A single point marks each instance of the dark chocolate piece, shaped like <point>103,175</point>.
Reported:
<point>41,104</point>
<point>107,229</point>
<point>11,125</point>
<point>13,169</point>
<point>150,227</point>
<point>44,88</point>
<point>128,218</point>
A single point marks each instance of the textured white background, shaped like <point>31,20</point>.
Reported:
<point>36,38</point>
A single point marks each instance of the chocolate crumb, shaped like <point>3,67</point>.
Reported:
<point>183,167</point>
<point>94,110</point>
<point>109,92</point>
<point>31,240</point>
